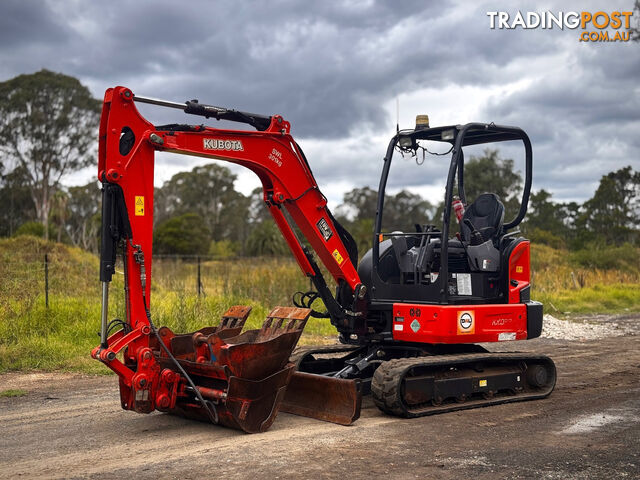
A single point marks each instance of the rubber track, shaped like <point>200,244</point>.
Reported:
<point>387,381</point>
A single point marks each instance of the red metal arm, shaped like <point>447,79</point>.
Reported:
<point>272,154</point>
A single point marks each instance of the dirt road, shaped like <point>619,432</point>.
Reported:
<point>71,426</point>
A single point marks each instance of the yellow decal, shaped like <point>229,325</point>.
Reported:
<point>338,257</point>
<point>139,206</point>
<point>466,322</point>
<point>482,383</point>
<point>519,269</point>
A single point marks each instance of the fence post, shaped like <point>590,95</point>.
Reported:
<point>198,284</point>
<point>46,280</point>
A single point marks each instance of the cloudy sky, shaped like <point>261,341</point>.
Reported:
<point>338,70</point>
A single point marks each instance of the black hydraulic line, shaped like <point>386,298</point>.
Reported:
<point>208,406</point>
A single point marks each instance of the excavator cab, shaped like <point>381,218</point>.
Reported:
<point>472,265</point>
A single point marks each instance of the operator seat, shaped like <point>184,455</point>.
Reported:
<point>486,214</point>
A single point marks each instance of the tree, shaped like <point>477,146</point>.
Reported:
<point>266,239</point>
<point>613,213</point>
<point>58,214</point>
<point>48,127</point>
<point>404,210</point>
<point>209,192</point>
<point>186,234</point>
<point>358,204</point>
<point>545,214</point>
<point>490,173</point>
<point>83,216</point>
<point>401,212</point>
<point>16,201</point>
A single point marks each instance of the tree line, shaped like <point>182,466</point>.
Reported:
<point>48,129</point>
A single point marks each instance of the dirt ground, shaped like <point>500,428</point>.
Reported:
<point>71,426</point>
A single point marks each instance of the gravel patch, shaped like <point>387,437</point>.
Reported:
<point>594,328</point>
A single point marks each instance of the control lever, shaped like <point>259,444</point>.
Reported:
<point>476,236</point>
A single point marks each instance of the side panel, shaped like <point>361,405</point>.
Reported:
<point>519,271</point>
<point>459,323</point>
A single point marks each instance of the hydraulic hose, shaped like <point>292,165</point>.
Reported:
<point>208,406</point>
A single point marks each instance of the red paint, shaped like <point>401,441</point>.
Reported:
<point>519,270</point>
<point>441,324</point>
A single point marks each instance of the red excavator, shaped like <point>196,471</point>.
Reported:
<point>410,316</point>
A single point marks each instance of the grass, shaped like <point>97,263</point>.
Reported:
<point>13,392</point>
<point>60,337</point>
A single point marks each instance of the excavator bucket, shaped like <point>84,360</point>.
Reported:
<point>242,376</point>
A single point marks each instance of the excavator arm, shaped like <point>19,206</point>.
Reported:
<point>128,143</point>
<point>216,373</point>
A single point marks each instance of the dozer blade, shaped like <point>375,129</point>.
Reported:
<point>324,398</point>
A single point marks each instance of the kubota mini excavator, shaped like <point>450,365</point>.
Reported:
<point>409,317</point>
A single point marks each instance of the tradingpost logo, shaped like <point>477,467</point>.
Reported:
<point>595,26</point>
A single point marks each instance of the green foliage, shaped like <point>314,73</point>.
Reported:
<point>209,192</point>
<point>610,298</point>
<point>35,229</point>
<point>16,199</point>
<point>493,174</point>
<point>624,257</point>
<point>223,249</point>
<point>186,234</point>
<point>613,213</point>
<point>610,217</point>
<point>48,126</point>
<point>401,212</point>
<point>358,204</point>
<point>266,240</point>
<point>488,174</point>
<point>362,232</point>
<point>544,237</point>
<point>13,392</point>
<point>545,215</point>
<point>61,337</point>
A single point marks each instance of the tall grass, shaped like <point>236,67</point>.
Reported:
<point>61,336</point>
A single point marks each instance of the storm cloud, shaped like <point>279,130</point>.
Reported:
<point>336,69</point>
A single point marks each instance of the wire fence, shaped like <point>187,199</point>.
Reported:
<point>52,275</point>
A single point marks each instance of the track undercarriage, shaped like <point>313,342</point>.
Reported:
<point>415,381</point>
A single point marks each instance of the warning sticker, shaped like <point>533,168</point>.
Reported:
<point>466,322</point>
<point>415,326</point>
<point>324,229</point>
<point>139,205</point>
<point>519,269</point>
<point>338,257</point>
<point>482,383</point>
<point>464,283</point>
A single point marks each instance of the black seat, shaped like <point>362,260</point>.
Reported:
<point>486,214</point>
